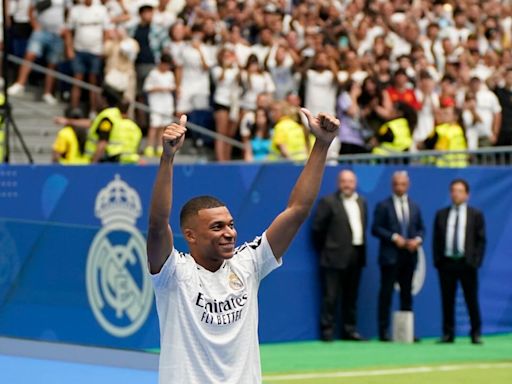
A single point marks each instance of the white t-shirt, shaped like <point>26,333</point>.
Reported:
<point>487,105</point>
<point>88,23</point>
<point>227,88</point>
<point>209,320</point>
<point>161,102</point>
<point>321,89</point>
<point>426,122</point>
<point>52,18</point>
<point>195,78</point>
<point>254,85</point>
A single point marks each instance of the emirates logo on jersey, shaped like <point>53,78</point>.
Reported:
<point>234,282</point>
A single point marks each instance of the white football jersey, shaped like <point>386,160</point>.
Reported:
<point>209,320</point>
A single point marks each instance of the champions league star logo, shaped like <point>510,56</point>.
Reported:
<point>118,285</point>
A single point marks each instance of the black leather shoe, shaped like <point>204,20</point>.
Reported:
<point>475,339</point>
<point>353,336</point>
<point>446,339</point>
<point>326,338</point>
<point>385,338</point>
<point>417,339</point>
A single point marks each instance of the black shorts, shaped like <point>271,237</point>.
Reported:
<point>220,107</point>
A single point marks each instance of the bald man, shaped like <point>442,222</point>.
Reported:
<point>399,226</point>
<point>339,228</point>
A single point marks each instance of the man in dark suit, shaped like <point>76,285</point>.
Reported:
<point>339,237</point>
<point>459,246</point>
<point>399,226</point>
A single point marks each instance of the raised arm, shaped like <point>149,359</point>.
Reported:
<point>160,240</point>
<point>284,227</point>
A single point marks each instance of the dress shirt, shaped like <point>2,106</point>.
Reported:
<point>354,217</point>
<point>450,229</point>
<point>397,202</point>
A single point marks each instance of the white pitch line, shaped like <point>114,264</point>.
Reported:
<point>382,372</point>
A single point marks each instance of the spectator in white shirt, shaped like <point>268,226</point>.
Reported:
<point>489,109</point>
<point>254,80</point>
<point>162,16</point>
<point>84,36</point>
<point>47,20</point>
<point>192,74</point>
<point>225,77</point>
<point>159,86</point>
<point>429,100</point>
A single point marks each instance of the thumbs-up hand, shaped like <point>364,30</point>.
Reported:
<point>174,136</point>
<point>324,126</point>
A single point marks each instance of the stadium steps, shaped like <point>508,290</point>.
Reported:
<point>34,119</point>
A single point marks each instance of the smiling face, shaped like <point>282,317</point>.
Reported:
<point>211,236</point>
<point>347,183</point>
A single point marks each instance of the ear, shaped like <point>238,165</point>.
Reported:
<point>190,236</point>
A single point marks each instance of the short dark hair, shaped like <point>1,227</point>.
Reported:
<point>166,58</point>
<point>112,95</point>
<point>460,181</point>
<point>124,106</point>
<point>145,7</point>
<point>194,205</point>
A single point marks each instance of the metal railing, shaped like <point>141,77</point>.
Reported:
<point>491,156</point>
<point>94,88</point>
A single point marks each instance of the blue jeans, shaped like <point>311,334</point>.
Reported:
<point>46,43</point>
<point>85,62</point>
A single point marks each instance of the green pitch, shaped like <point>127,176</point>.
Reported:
<point>383,363</point>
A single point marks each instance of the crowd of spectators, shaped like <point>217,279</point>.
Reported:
<point>401,75</point>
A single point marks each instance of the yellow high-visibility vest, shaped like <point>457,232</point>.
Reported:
<point>130,135</point>
<point>66,142</point>
<point>450,137</point>
<point>114,146</point>
<point>402,138</point>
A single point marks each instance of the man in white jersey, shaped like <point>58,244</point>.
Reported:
<point>207,300</point>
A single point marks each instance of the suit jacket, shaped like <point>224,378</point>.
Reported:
<point>386,223</point>
<point>474,247</point>
<point>332,235</point>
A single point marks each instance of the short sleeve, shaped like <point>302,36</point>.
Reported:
<point>162,279</point>
<point>496,107</point>
<point>150,82</point>
<point>344,101</point>
<point>60,145</point>
<point>104,128</point>
<point>261,255</point>
<point>280,135</point>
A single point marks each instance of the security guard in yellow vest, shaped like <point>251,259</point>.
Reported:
<point>2,128</point>
<point>394,136</point>
<point>131,136</point>
<point>104,139</point>
<point>448,135</point>
<point>69,145</point>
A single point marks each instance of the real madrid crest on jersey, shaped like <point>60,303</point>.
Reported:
<point>118,284</point>
<point>234,282</point>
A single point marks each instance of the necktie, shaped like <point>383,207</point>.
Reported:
<point>405,223</point>
<point>455,246</point>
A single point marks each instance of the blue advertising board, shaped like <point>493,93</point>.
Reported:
<point>72,249</point>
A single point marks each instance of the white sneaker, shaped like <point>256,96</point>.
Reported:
<point>16,89</point>
<point>49,99</point>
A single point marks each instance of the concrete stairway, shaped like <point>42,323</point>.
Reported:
<point>34,119</point>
